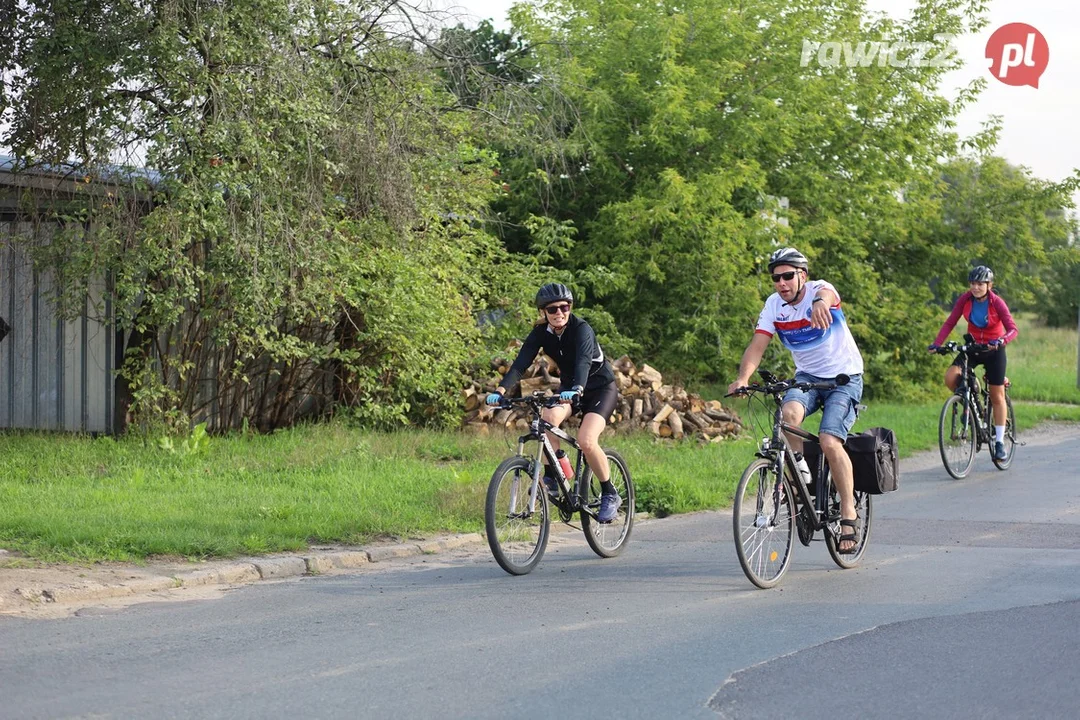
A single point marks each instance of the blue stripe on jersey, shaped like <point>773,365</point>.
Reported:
<point>807,337</point>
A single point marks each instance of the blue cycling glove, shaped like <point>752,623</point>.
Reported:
<point>493,399</point>
<point>568,395</point>
<point>994,344</point>
<point>933,348</point>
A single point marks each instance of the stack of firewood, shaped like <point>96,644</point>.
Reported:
<point>645,403</point>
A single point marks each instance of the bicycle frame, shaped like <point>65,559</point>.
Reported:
<point>778,450</point>
<point>571,494</point>
<point>978,396</point>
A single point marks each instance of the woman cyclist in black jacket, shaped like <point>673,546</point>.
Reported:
<point>585,375</point>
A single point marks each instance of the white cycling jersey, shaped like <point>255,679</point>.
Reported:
<point>824,353</point>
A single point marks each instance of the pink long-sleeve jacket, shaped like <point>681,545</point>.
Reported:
<point>999,322</point>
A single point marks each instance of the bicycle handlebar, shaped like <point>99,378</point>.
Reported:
<point>969,348</point>
<point>536,401</point>
<point>776,388</point>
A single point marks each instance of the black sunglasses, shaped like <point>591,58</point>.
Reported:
<point>554,309</point>
<point>784,276</point>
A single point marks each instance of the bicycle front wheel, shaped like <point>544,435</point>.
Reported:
<point>956,436</point>
<point>608,539</point>
<point>517,523</point>
<point>763,523</point>
<point>1010,436</point>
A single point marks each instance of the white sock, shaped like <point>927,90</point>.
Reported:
<point>999,433</point>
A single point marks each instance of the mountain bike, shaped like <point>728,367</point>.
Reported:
<point>517,511</point>
<point>773,503</point>
<point>967,417</point>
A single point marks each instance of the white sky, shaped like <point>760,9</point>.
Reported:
<point>1039,125</point>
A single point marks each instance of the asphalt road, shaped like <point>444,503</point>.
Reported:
<point>967,604</point>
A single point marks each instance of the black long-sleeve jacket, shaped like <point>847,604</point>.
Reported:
<point>577,353</point>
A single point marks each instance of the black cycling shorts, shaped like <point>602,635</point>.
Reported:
<point>993,360</point>
<point>601,401</point>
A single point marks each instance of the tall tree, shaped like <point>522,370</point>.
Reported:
<point>304,238</point>
<point>696,117</point>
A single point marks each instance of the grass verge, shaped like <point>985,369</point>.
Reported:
<point>65,498</point>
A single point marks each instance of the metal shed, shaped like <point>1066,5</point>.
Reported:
<point>55,374</point>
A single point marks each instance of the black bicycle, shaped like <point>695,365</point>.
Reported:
<point>967,417</point>
<point>773,502</point>
<point>516,514</point>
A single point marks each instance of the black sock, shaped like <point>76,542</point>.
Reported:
<point>606,488</point>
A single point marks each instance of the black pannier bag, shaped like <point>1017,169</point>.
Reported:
<point>875,460</point>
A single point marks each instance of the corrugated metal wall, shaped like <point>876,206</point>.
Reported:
<point>54,374</point>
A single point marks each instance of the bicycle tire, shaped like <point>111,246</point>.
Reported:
<point>864,509</point>
<point>517,538</point>
<point>764,526</point>
<point>1010,436</point>
<point>957,432</point>
<point>608,539</point>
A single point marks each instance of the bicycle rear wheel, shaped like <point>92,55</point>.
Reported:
<point>956,436</point>
<point>608,539</point>
<point>516,535</point>
<point>864,509</point>
<point>1010,436</point>
<point>763,523</point>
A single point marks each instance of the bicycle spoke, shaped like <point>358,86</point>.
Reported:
<point>956,436</point>
<point>515,519</point>
<point>763,525</point>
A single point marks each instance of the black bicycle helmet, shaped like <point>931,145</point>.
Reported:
<point>553,292</point>
<point>788,256</point>
<point>981,274</point>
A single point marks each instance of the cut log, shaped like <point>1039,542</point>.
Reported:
<point>625,365</point>
<point>700,419</point>
<point>720,415</point>
<point>638,408</point>
<point>480,428</point>
<point>650,377</point>
<point>691,422</point>
<point>545,371</point>
<point>662,413</point>
<point>531,385</point>
<point>675,421</point>
<point>472,400</point>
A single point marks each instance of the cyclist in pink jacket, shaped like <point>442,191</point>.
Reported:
<point>989,323</point>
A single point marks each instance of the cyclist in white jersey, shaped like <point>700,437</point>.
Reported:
<point>806,316</point>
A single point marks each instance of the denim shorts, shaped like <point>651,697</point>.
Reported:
<point>838,414</point>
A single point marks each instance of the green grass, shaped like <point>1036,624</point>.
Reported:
<point>67,498</point>
<point>76,498</point>
<point>1042,363</point>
